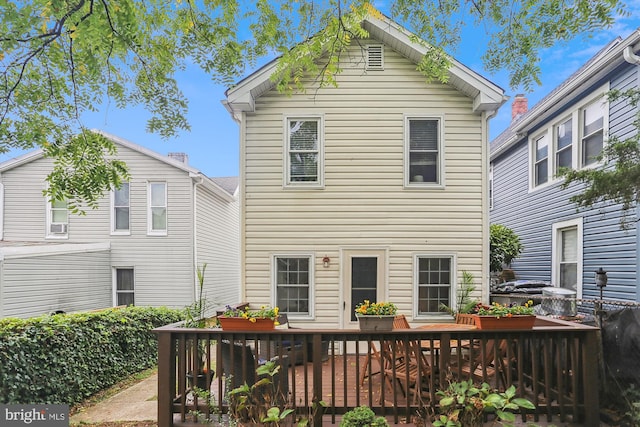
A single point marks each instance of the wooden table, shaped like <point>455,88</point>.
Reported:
<point>434,345</point>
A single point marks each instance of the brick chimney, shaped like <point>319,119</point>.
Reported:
<point>519,107</point>
<point>181,157</point>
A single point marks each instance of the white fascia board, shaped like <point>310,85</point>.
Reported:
<point>489,96</point>
<point>22,159</point>
<point>212,187</point>
<point>27,251</point>
<point>599,69</point>
<point>143,150</point>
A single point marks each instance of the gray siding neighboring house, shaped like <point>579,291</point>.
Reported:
<point>142,244</point>
<point>564,245</point>
<point>376,189</point>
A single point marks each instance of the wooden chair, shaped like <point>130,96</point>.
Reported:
<point>405,361</point>
<point>487,359</point>
<point>399,322</point>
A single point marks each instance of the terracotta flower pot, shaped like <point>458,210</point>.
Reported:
<point>242,324</point>
<point>513,322</point>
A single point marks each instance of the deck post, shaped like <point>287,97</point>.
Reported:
<point>166,366</point>
<point>317,378</point>
<point>590,380</point>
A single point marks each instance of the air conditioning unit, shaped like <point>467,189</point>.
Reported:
<point>58,228</point>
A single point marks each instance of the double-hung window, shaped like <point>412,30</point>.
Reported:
<point>124,286</point>
<point>567,254</point>
<point>434,279</point>
<point>57,219</point>
<point>592,135</point>
<point>574,141</point>
<point>423,152</point>
<point>304,152</point>
<point>157,212</point>
<point>293,282</point>
<point>120,209</point>
<point>563,138</point>
<point>541,154</point>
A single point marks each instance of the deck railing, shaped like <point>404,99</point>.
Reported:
<point>555,365</point>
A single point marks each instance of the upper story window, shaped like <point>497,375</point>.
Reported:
<point>563,137</point>
<point>592,132</point>
<point>120,209</point>
<point>423,151</point>
<point>576,140</point>
<point>541,160</point>
<point>57,219</point>
<point>157,212</point>
<point>304,159</point>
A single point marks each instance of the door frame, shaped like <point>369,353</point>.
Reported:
<point>346,254</point>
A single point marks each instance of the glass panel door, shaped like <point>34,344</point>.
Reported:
<point>364,281</point>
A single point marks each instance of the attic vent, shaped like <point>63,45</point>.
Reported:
<point>181,157</point>
<point>375,57</point>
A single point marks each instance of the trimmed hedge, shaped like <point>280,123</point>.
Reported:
<point>65,358</point>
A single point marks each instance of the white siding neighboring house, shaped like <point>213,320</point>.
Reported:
<point>141,246</point>
<point>374,190</point>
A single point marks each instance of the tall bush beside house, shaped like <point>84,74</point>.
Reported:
<point>504,247</point>
<point>65,358</point>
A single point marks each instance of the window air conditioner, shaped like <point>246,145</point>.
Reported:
<point>57,228</point>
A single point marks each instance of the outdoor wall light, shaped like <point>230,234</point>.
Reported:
<point>601,278</point>
<point>326,261</point>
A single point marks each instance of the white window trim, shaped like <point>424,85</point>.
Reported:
<point>555,252</point>
<point>286,169</point>
<point>576,143</point>
<point>114,281</point>
<point>48,233</point>
<point>274,284</point>
<point>150,230</point>
<point>452,290</point>
<point>115,232</point>
<point>440,185</point>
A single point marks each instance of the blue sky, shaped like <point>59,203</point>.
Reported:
<point>212,143</point>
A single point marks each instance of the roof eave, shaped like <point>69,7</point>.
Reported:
<point>550,106</point>
<point>486,95</point>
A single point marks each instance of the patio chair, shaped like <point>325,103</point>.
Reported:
<point>399,322</point>
<point>487,362</point>
<point>405,362</point>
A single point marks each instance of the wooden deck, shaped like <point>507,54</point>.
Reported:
<point>552,364</point>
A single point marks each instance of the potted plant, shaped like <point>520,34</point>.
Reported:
<point>504,247</point>
<point>376,316</point>
<point>464,303</point>
<point>196,317</point>
<point>503,316</point>
<point>235,319</point>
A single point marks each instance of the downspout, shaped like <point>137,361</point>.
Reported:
<point>196,286</point>
<point>632,58</point>
<point>486,154</point>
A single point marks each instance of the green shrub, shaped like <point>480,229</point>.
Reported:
<point>65,358</point>
<point>362,416</point>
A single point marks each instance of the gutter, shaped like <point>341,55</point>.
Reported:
<point>630,57</point>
